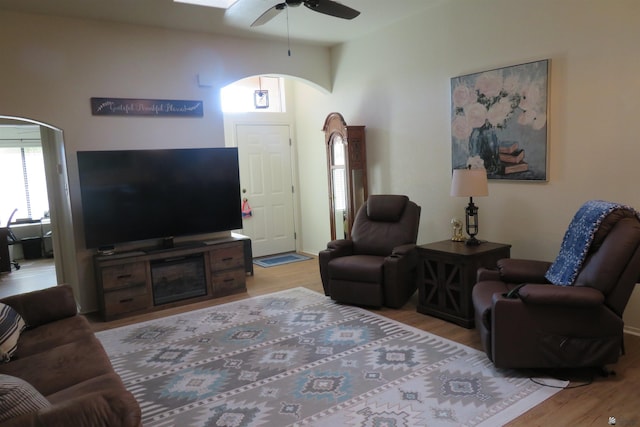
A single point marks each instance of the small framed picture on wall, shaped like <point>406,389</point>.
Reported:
<point>261,98</point>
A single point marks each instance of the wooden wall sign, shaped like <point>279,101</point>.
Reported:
<point>145,107</point>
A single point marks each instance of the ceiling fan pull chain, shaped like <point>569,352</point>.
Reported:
<point>288,36</point>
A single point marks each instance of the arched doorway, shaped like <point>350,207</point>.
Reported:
<point>55,167</point>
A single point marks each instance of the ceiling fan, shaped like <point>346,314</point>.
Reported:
<point>327,7</point>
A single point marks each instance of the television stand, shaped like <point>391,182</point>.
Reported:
<point>167,243</point>
<point>176,246</point>
<point>136,282</point>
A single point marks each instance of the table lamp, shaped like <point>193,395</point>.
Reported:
<point>469,183</point>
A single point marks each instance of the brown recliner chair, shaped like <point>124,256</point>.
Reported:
<point>378,265</point>
<point>526,321</point>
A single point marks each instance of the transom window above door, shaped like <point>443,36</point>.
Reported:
<point>254,94</point>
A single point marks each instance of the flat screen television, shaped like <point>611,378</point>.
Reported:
<point>134,195</point>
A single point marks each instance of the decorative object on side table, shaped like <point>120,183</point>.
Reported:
<point>447,276</point>
<point>469,183</point>
<point>456,232</point>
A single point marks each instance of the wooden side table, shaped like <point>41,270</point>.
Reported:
<point>447,275</point>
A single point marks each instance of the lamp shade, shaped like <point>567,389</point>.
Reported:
<point>469,183</point>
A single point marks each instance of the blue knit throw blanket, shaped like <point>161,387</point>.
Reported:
<point>577,240</point>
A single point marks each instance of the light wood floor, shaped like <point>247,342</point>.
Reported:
<point>591,405</point>
<point>33,274</point>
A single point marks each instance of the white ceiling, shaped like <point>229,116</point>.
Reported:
<point>304,25</point>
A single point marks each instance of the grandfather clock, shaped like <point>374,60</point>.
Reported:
<point>346,172</point>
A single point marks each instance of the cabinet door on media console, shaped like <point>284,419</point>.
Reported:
<point>228,269</point>
<point>124,288</point>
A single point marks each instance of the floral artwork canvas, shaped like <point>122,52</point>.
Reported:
<point>499,121</point>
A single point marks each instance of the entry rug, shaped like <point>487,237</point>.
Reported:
<point>280,259</point>
<point>295,358</point>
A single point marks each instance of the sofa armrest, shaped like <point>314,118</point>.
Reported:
<point>403,257</point>
<point>401,270</point>
<point>487,274</point>
<point>335,249</point>
<point>514,270</point>
<point>570,296</point>
<point>100,408</point>
<point>341,245</point>
<point>403,249</point>
<point>44,306</point>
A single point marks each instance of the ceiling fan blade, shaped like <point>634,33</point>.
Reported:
<point>332,8</point>
<point>269,14</point>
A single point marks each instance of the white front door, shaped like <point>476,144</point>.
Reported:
<point>266,184</point>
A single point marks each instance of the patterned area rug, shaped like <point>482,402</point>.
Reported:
<point>295,358</point>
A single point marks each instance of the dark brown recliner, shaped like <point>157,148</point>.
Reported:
<point>378,265</point>
<point>542,325</point>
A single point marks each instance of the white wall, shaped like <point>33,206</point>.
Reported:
<point>397,83</point>
<point>51,68</point>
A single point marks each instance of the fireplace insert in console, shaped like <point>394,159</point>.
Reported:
<point>175,279</point>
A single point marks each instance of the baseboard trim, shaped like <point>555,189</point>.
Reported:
<point>632,330</point>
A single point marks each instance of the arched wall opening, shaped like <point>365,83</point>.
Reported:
<point>262,120</point>
<point>54,159</point>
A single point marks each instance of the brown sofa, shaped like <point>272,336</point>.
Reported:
<point>59,355</point>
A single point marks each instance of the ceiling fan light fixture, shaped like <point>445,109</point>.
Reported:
<point>311,4</point>
<point>326,7</point>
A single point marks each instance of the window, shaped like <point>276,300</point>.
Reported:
<point>254,94</point>
<point>24,185</point>
<point>339,178</point>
